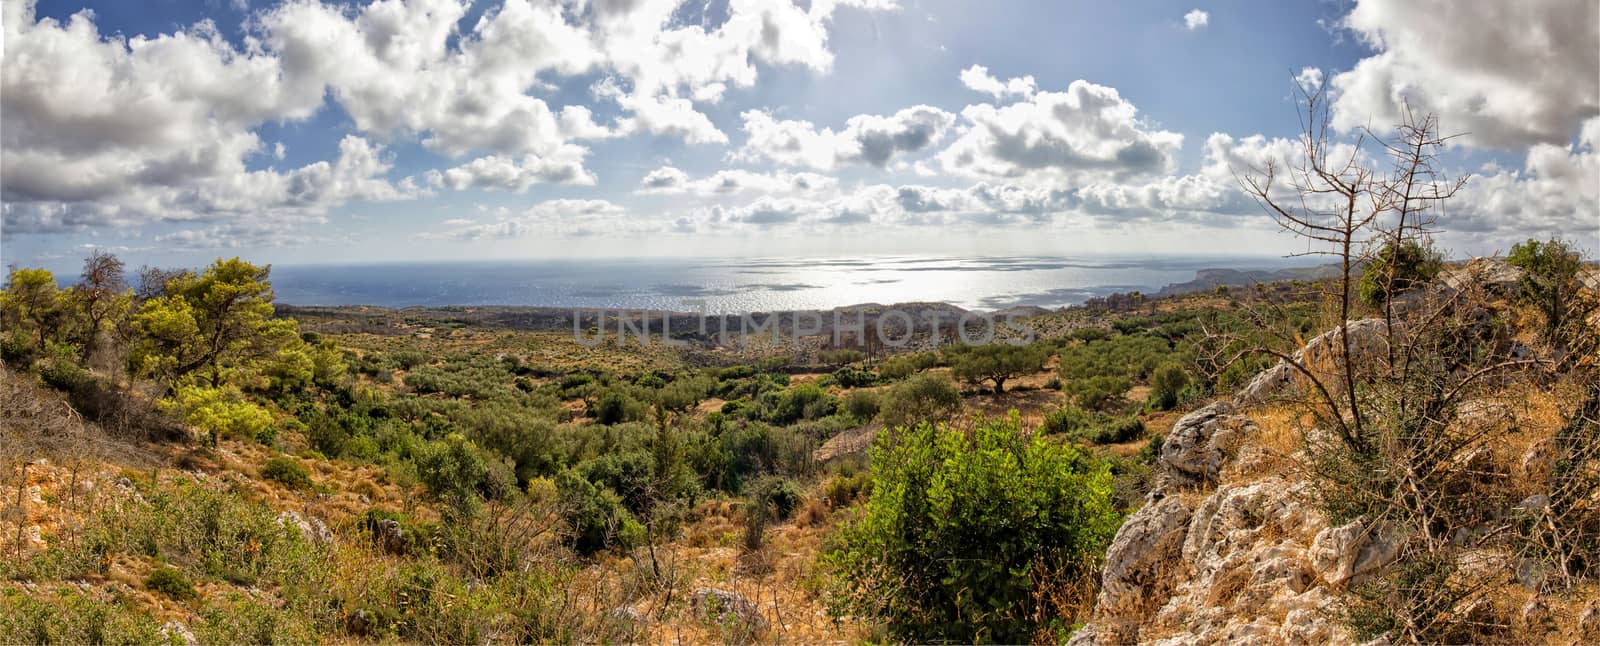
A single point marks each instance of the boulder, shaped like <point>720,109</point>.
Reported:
<point>726,607</point>
<point>312,529</point>
<point>1368,340</point>
<point>1202,441</point>
<point>1341,555</point>
<point>1135,578</point>
<point>178,633</point>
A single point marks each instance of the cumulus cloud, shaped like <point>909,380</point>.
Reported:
<point>552,218</point>
<point>1195,19</point>
<point>869,139</point>
<point>1556,193</point>
<point>671,181</point>
<point>495,172</point>
<point>977,78</point>
<point>1508,74</point>
<point>1086,132</point>
<point>101,129</point>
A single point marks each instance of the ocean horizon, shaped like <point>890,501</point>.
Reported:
<point>730,285</point>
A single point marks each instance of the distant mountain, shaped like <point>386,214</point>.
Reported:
<point>1206,279</point>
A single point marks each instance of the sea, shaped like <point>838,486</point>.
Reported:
<point>733,285</point>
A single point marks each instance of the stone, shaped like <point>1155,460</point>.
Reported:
<point>388,535</point>
<point>359,623</point>
<point>1368,339</point>
<point>1340,555</point>
<point>1135,567</point>
<point>177,632</point>
<point>312,529</point>
<point>725,607</point>
<point>1200,442</point>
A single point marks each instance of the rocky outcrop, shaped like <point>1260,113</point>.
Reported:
<point>1367,340</point>
<point>1201,441</point>
<point>729,608</point>
<point>312,529</point>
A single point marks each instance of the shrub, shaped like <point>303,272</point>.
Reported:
<point>221,411</point>
<point>1549,283</point>
<point>170,582</point>
<point>840,357</point>
<point>287,472</point>
<point>842,490</point>
<point>853,377</point>
<point>862,405</point>
<point>921,398</point>
<point>960,526</point>
<point>1097,393</point>
<point>595,518</point>
<point>996,363</point>
<point>1166,385</point>
<point>1063,421</point>
<point>1398,267</point>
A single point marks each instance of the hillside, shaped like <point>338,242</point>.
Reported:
<point>450,476</point>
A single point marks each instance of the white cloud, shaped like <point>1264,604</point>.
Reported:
<point>870,139</point>
<point>1076,136</point>
<point>496,172</point>
<point>1195,19</point>
<point>668,181</point>
<point>1556,193</point>
<point>552,218</point>
<point>1509,74</point>
<point>977,78</point>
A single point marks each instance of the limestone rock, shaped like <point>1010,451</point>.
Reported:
<point>1203,440</point>
<point>1344,553</point>
<point>1367,340</point>
<point>1135,573</point>
<point>179,633</point>
<point>728,607</point>
<point>312,529</point>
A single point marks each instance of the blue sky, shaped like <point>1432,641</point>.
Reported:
<point>174,132</point>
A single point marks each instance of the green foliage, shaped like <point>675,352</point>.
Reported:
<point>995,362</point>
<point>69,617</point>
<point>170,582</point>
<point>961,526</point>
<point>842,490</point>
<point>1398,267</point>
<point>1098,393</point>
<point>925,397</point>
<point>287,471</point>
<point>1133,357</point>
<point>616,407</point>
<point>862,405</point>
<point>1550,284</point>
<point>219,411</point>
<point>1166,385</point>
<point>595,518</point>
<point>216,321</point>
<point>840,356</point>
<point>1067,420</point>
<point>32,306</point>
<point>853,377</point>
<point>1088,334</point>
<point>455,472</point>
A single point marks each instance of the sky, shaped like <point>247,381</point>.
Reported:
<point>311,131</point>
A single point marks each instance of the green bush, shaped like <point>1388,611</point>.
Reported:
<point>925,397</point>
<point>995,363</point>
<point>962,527</point>
<point>1065,420</point>
<point>842,490</point>
<point>170,582</point>
<point>1097,393</point>
<point>862,405</point>
<point>1398,267</point>
<point>595,518</point>
<point>1166,385</point>
<point>853,377</point>
<point>287,472</point>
